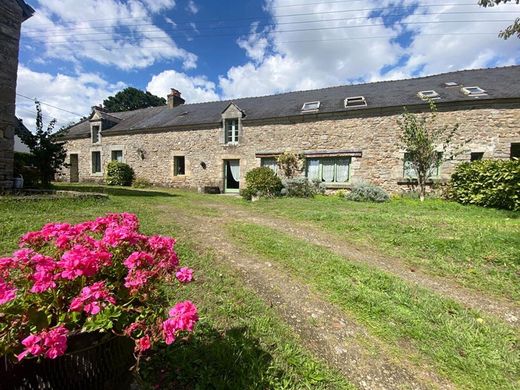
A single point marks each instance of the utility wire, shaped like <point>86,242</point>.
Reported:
<point>49,105</point>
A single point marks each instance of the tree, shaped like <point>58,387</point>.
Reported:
<point>49,154</point>
<point>422,138</point>
<point>510,30</point>
<point>132,99</point>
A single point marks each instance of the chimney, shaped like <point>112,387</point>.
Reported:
<point>174,99</point>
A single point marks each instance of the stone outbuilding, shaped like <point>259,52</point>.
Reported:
<point>345,134</point>
<point>13,13</point>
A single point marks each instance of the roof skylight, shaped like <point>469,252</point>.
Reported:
<point>473,91</point>
<point>430,94</point>
<point>451,84</point>
<point>355,101</point>
<point>311,106</point>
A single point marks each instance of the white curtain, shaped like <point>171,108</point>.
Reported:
<point>342,166</point>
<point>234,165</point>
<point>328,170</point>
<point>313,169</point>
<point>270,163</point>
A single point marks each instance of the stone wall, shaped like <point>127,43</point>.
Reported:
<point>10,23</point>
<point>491,130</point>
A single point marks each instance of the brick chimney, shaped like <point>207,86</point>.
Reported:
<point>174,99</point>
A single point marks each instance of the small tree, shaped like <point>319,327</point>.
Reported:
<point>421,138</point>
<point>49,153</point>
<point>289,163</point>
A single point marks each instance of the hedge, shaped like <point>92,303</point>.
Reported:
<point>487,183</point>
<point>261,181</point>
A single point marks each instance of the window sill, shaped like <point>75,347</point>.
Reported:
<point>179,178</point>
<point>346,185</point>
<point>231,144</point>
<point>97,174</point>
<point>410,180</point>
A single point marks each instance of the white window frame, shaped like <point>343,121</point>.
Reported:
<point>306,106</point>
<point>175,159</point>
<point>112,151</point>
<point>98,133</point>
<point>234,131</point>
<point>320,169</point>
<point>355,102</point>
<point>478,91</point>
<point>428,94</point>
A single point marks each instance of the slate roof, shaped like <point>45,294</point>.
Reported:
<point>500,83</point>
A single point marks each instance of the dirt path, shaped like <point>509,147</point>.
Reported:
<point>495,306</point>
<point>324,329</point>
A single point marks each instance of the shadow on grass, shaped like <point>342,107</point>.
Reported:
<point>210,360</point>
<point>116,191</point>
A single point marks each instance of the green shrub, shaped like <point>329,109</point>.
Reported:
<point>366,192</point>
<point>141,182</point>
<point>119,174</point>
<point>301,187</point>
<point>488,183</point>
<point>25,166</point>
<point>261,182</point>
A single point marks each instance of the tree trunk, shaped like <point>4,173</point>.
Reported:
<point>422,188</point>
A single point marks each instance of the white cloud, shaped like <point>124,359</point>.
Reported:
<point>194,89</point>
<point>192,7</point>
<point>109,32</point>
<point>73,93</point>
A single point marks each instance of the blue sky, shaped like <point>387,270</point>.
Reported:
<point>74,54</point>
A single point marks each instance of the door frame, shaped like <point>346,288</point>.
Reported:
<point>224,165</point>
<point>76,166</point>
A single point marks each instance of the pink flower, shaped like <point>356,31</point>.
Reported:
<point>23,255</point>
<point>32,346</point>
<point>92,299</point>
<point>32,239</point>
<point>81,261</point>
<point>7,292</point>
<point>138,260</point>
<point>184,275</point>
<point>132,328</point>
<point>51,343</point>
<point>137,279</point>
<point>183,316</point>
<point>143,344</point>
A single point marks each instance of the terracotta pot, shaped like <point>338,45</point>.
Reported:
<point>93,361</point>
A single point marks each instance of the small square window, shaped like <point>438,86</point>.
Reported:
<point>426,95</point>
<point>179,167</point>
<point>515,151</point>
<point>355,101</point>
<point>476,156</point>
<point>96,162</point>
<point>311,106</point>
<point>117,155</point>
<point>473,91</point>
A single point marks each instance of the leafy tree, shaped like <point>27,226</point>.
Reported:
<point>49,154</point>
<point>289,163</point>
<point>132,99</point>
<point>510,30</point>
<point>421,137</point>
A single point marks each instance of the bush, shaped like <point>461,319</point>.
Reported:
<point>119,174</point>
<point>261,182</point>
<point>24,165</point>
<point>487,183</point>
<point>141,182</point>
<point>366,192</point>
<point>301,187</point>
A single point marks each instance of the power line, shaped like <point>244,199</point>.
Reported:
<point>268,17</point>
<point>49,105</point>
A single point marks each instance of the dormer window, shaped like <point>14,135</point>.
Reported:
<point>355,101</point>
<point>427,95</point>
<point>96,134</point>
<point>231,130</point>
<point>473,91</point>
<point>311,106</point>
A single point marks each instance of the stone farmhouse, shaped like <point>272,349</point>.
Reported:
<point>346,134</point>
<point>13,13</point>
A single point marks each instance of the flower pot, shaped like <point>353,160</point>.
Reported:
<point>93,361</point>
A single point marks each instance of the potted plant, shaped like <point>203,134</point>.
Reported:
<point>78,302</point>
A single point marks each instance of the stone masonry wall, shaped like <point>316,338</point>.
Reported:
<point>491,130</point>
<point>10,22</point>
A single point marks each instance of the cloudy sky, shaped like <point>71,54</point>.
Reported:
<point>73,54</point>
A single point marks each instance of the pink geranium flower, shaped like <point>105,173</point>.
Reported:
<point>82,261</point>
<point>92,299</point>
<point>184,275</point>
<point>143,344</point>
<point>7,292</point>
<point>50,343</point>
<point>183,316</point>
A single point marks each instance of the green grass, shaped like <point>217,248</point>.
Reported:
<point>239,342</point>
<point>477,247</point>
<point>473,350</point>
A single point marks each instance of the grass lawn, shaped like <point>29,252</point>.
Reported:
<point>477,247</point>
<point>239,342</point>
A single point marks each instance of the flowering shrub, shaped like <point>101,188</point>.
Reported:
<point>101,275</point>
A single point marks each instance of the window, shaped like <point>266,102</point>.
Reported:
<point>96,134</point>
<point>475,156</point>
<point>117,155</point>
<point>355,101</point>
<point>431,94</point>
<point>311,106</point>
<point>179,166</point>
<point>473,91</point>
<point>231,130</point>
<point>96,162</point>
<point>329,170</point>
<point>409,171</point>
<point>515,151</point>
<point>451,84</point>
<point>269,162</point>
